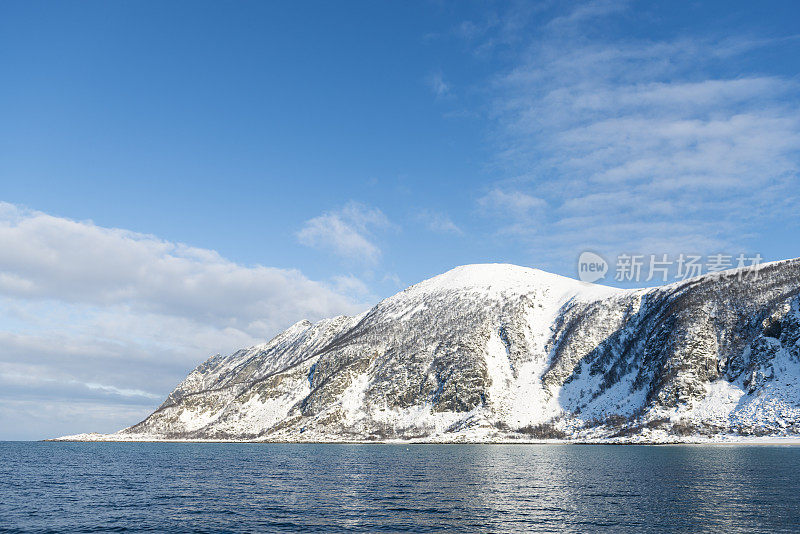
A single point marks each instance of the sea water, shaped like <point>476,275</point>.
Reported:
<point>227,487</point>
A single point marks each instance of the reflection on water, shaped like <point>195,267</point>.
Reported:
<point>75,487</point>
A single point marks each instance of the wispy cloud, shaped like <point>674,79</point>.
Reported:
<point>511,203</point>
<point>585,12</point>
<point>438,222</point>
<point>630,144</point>
<point>30,377</point>
<point>438,85</point>
<point>348,232</point>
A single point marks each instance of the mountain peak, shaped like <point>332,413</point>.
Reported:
<point>494,279</point>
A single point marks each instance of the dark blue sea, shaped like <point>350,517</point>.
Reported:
<point>167,487</point>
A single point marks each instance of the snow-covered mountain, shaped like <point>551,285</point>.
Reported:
<point>499,352</point>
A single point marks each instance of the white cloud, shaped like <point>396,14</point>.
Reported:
<point>438,222</point>
<point>46,257</point>
<point>394,279</point>
<point>438,85</point>
<point>30,377</point>
<point>101,315</point>
<point>351,285</point>
<point>588,11</point>
<point>510,203</point>
<point>348,232</point>
<point>627,144</point>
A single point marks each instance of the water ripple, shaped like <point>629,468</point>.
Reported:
<point>151,487</point>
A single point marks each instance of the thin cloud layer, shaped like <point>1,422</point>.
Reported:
<point>511,203</point>
<point>633,146</point>
<point>438,85</point>
<point>438,222</point>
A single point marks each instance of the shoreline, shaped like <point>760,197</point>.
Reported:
<point>771,440</point>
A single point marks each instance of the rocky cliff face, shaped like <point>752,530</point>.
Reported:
<point>499,352</point>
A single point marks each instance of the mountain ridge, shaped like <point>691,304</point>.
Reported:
<point>496,352</point>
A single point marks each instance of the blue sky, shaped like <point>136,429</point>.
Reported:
<point>185,178</point>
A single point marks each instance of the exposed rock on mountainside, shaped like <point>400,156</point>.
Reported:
<point>499,352</point>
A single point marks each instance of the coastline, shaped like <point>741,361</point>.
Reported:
<point>721,440</point>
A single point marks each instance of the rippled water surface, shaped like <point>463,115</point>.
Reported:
<point>167,487</point>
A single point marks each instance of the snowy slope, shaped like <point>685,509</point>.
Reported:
<point>500,352</point>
